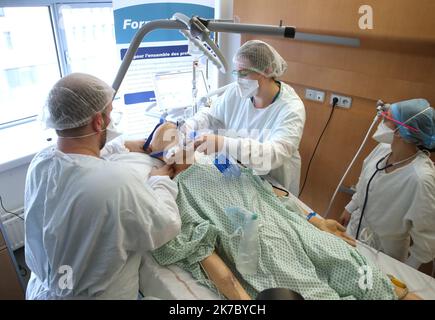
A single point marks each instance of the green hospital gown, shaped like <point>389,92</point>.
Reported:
<point>291,252</point>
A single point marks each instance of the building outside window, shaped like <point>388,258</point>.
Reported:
<point>31,60</point>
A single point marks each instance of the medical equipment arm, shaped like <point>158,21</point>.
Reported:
<point>199,29</point>
<point>198,34</point>
<point>282,31</point>
<point>135,43</point>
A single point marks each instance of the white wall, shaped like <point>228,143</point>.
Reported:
<point>18,146</point>
<point>12,187</point>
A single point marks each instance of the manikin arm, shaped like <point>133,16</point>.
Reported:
<point>223,278</point>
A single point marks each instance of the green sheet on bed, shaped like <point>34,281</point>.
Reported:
<point>291,252</point>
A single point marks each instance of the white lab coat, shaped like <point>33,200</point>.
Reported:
<point>401,205</point>
<point>97,217</point>
<point>275,130</point>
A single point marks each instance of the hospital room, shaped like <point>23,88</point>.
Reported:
<point>217,150</point>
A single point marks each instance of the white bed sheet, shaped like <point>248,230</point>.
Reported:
<point>170,283</point>
<point>173,283</point>
<point>417,282</point>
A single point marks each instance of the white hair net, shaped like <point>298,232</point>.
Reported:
<point>74,100</point>
<point>260,57</point>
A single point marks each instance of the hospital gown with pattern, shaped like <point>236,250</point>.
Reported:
<point>292,253</point>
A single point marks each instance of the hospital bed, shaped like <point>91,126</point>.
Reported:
<point>173,283</point>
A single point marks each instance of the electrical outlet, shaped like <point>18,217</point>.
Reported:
<point>343,101</point>
<point>315,95</point>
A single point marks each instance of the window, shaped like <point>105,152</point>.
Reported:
<point>29,64</point>
<point>20,77</point>
<point>90,41</point>
<point>8,40</point>
<point>31,61</point>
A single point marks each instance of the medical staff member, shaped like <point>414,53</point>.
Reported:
<point>396,189</point>
<point>263,118</point>
<point>87,220</point>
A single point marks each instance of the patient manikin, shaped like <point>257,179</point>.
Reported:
<point>292,254</point>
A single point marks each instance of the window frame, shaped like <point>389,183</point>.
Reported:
<point>61,33</point>
<point>59,37</point>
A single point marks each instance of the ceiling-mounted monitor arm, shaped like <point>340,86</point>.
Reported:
<point>281,31</point>
<point>199,25</point>
<point>135,43</point>
<point>260,29</point>
<point>199,36</point>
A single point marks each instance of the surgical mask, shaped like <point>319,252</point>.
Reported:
<point>384,134</point>
<point>247,88</point>
<point>111,132</point>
